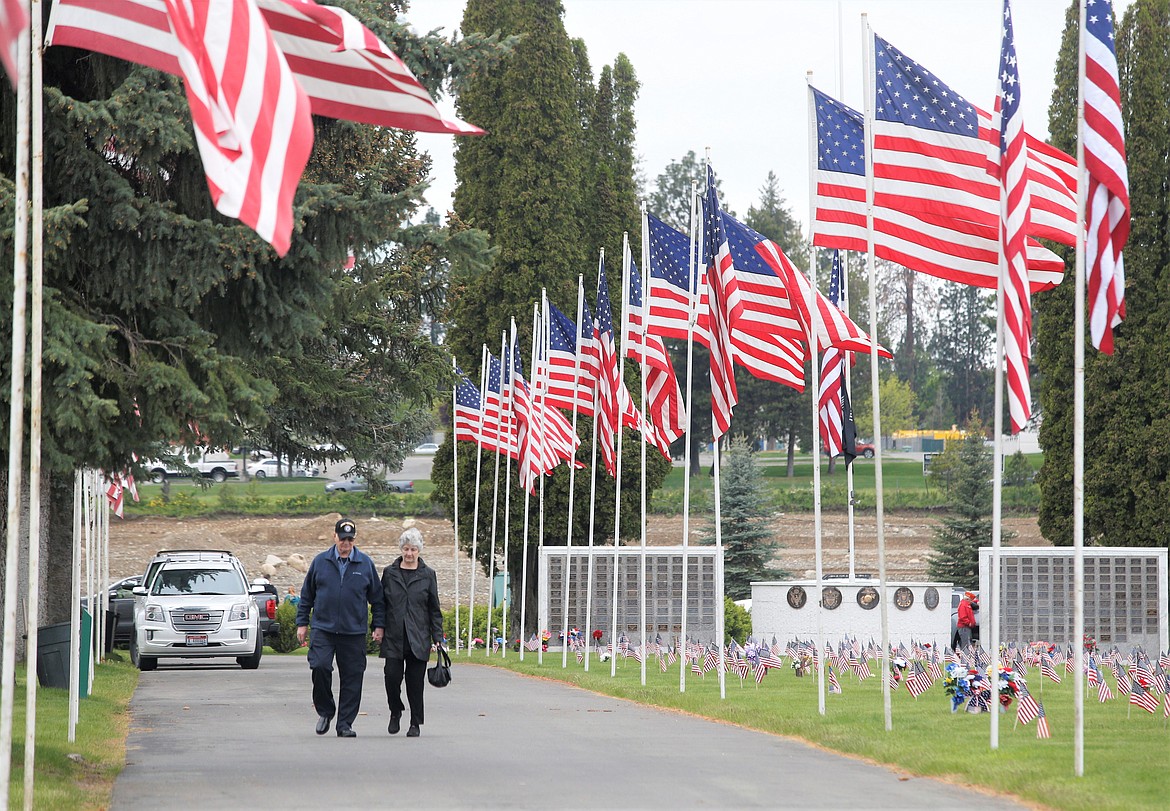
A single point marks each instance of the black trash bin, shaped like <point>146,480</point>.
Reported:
<point>111,627</point>
<point>53,655</point>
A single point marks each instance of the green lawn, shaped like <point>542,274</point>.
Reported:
<point>1127,754</point>
<point>78,775</point>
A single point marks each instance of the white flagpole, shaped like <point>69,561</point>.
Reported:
<point>692,318</point>
<point>487,647</point>
<point>645,312</point>
<point>1079,422</point>
<point>75,609</point>
<point>572,470</point>
<point>527,495</point>
<point>455,485</point>
<point>541,375</point>
<point>16,410</point>
<point>845,372</point>
<point>879,498</point>
<point>35,404</point>
<point>483,371</point>
<point>719,574</point>
<point>617,488</point>
<point>593,492</point>
<point>843,303</point>
<point>506,409</point>
<point>814,315</point>
<point>90,543</point>
<point>997,459</point>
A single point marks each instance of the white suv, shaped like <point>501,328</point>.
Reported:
<point>197,605</point>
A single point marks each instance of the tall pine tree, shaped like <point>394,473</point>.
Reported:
<point>1126,455</point>
<point>748,540</point>
<point>552,182</point>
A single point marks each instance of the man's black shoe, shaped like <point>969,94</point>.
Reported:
<point>413,731</point>
<point>323,724</point>
<point>395,724</point>
<point>346,732</point>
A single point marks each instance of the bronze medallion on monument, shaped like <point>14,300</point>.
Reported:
<point>867,597</point>
<point>831,597</point>
<point>930,598</point>
<point>903,598</point>
<point>797,597</point>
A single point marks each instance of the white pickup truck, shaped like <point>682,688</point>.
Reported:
<point>214,465</point>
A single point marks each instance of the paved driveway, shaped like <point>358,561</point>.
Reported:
<point>205,736</point>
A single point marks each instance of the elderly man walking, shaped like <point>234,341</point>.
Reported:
<point>340,584</point>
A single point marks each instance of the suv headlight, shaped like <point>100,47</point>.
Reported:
<point>238,613</point>
<point>155,613</point>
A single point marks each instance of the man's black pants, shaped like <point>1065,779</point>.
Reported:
<point>416,670</point>
<point>350,652</point>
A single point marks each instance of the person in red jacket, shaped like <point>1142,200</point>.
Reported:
<point>967,623</point>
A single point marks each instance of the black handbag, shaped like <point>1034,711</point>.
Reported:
<point>439,675</point>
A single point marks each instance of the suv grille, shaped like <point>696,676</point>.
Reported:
<point>184,619</point>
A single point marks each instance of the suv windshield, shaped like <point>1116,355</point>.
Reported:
<point>196,580</point>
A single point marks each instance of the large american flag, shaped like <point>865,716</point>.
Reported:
<point>1017,304</point>
<point>609,387</point>
<point>928,243</point>
<point>253,122</point>
<point>347,72</point>
<point>725,308</point>
<point>254,72</point>
<point>572,375</point>
<point>13,22</point>
<point>830,407</point>
<point>498,432</point>
<point>664,409</point>
<point>1107,176</point>
<point>468,409</point>
<point>766,356</point>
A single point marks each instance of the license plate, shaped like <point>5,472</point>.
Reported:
<point>196,640</point>
<point>193,617</point>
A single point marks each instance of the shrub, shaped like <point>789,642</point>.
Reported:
<point>285,640</point>
<point>737,622</point>
<point>479,619</point>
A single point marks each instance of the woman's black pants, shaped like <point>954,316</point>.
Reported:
<point>415,670</point>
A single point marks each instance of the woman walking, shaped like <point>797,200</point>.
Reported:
<point>410,590</point>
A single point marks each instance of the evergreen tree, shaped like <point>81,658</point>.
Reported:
<point>955,555</point>
<point>748,541</point>
<point>1126,455</point>
<point>553,182</point>
<point>166,322</point>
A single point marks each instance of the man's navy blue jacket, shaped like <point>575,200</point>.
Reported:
<point>340,607</point>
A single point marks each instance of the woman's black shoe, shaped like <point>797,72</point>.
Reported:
<point>395,724</point>
<point>413,731</point>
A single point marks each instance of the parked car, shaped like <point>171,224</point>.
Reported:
<point>359,485</point>
<point>427,447</point>
<point>122,604</point>
<point>273,467</point>
<point>865,449</point>
<point>197,604</point>
<point>214,465</point>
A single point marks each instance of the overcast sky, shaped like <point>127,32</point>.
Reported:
<point>730,75</point>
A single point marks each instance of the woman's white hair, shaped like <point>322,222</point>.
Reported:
<point>411,537</point>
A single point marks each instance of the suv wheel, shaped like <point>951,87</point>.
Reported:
<point>158,476</point>
<point>868,453</point>
<point>219,475</point>
<point>253,662</point>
